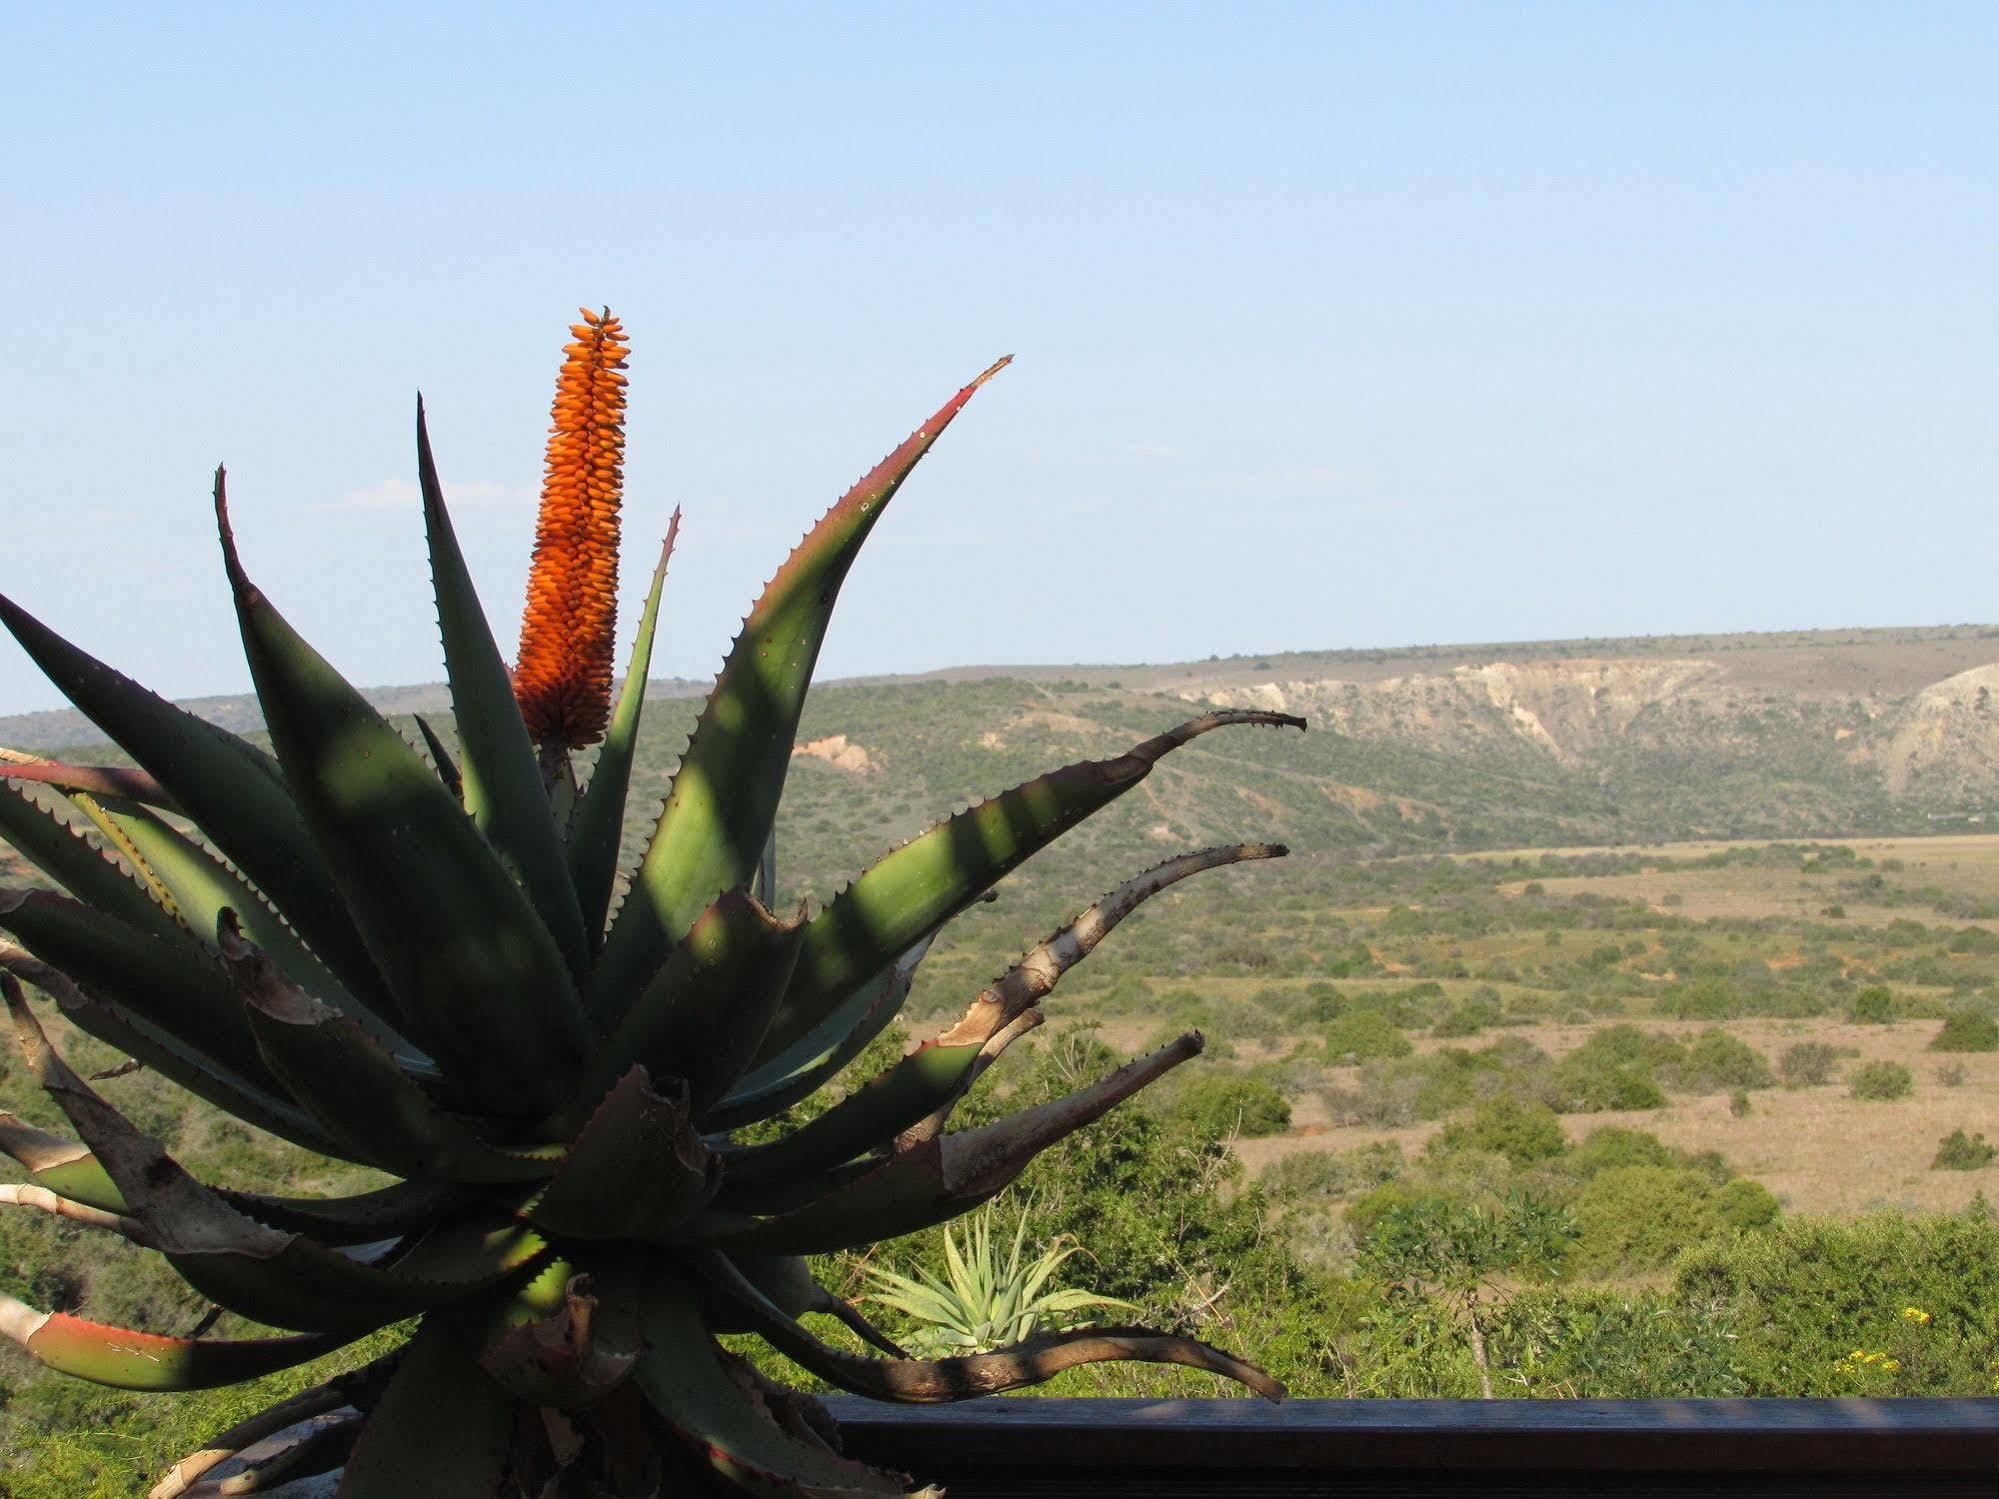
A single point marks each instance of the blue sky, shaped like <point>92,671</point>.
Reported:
<point>1336,325</point>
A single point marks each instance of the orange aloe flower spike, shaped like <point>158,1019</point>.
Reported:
<point>562,680</point>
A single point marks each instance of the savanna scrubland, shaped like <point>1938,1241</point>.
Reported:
<point>1624,1022</point>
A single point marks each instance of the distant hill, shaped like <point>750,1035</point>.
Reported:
<point>1432,747</point>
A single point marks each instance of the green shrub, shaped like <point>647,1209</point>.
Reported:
<point>1364,1036</point>
<point>1878,1081</point>
<point>1807,1292</point>
<point>1579,1342</point>
<point>1967,1030</point>
<point>1586,1083</point>
<point>1717,1062</point>
<point>1524,1130</point>
<point>1322,1175</point>
<point>1611,1146</point>
<point>1958,1151</point>
<point>1469,1018</point>
<point>1874,1005</point>
<point>1637,1218</point>
<point>1745,1204</point>
<point>1217,1105</point>
<point>1808,1063</point>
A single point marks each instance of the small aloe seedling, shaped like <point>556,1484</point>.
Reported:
<point>419,966</point>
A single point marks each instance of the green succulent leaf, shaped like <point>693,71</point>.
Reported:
<point>119,781</point>
<point>478,980</point>
<point>501,781</point>
<point>173,986</point>
<point>253,1103</point>
<point>442,1426</point>
<point>801,1069</point>
<point>922,1382</point>
<point>636,1173</point>
<point>440,759</point>
<point>72,861</point>
<point>392,1212</point>
<point>676,1026</point>
<point>937,1178</point>
<point>353,1088</point>
<point>130,1360</point>
<point>710,1400</point>
<point>233,790</point>
<point>915,890</point>
<point>599,824</point>
<point>939,1070</point>
<point>64,1167</point>
<point>724,798</point>
<point>202,887</point>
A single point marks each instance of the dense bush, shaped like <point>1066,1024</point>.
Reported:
<point>1522,1129</point>
<point>1745,1204</point>
<point>1806,1064</point>
<point>1967,1030</point>
<point>1717,1062</point>
<point>1587,1082</point>
<point>1638,1218</point>
<point>1808,1292</point>
<point>1879,1081</point>
<point>1874,1005</point>
<point>1216,1105</point>
<point>1611,1146</point>
<point>1958,1151</point>
<point>1364,1036</point>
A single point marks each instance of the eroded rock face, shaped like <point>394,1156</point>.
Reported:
<point>840,752</point>
<point>1563,709</point>
<point>1948,732</point>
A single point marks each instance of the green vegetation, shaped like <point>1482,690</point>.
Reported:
<point>1967,1030</point>
<point>1880,1081</point>
<point>1958,1151</point>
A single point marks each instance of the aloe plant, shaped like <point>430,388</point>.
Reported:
<point>987,1297</point>
<point>420,965</point>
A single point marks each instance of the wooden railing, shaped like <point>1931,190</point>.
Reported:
<point>1647,1449</point>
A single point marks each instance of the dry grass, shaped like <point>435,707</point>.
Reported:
<point>1817,1149</point>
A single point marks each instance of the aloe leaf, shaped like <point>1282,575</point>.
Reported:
<point>440,759</point>
<point>939,1178</point>
<point>365,1218</point>
<point>352,1087</point>
<point>234,791</point>
<point>100,780</point>
<point>636,1172</point>
<point>63,1166</point>
<point>441,1426</point>
<point>68,858</point>
<point>939,1070</point>
<point>915,890</point>
<point>68,1168</point>
<point>711,1402</point>
<point>502,783</point>
<point>277,1278</point>
<point>918,1381</point>
<point>704,1013</point>
<point>800,1070</point>
<point>599,823</point>
<point>254,1104</point>
<point>171,985</point>
<point>129,1360</point>
<point>725,793</point>
<point>565,1339</point>
<point>202,887</point>
<point>479,982</point>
